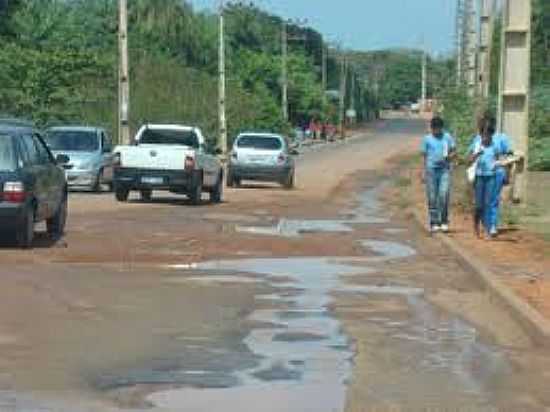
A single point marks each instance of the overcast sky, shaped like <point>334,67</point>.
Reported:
<point>371,24</point>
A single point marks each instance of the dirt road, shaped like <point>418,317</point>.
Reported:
<point>326,298</point>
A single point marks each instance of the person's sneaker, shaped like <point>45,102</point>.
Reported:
<point>445,228</point>
<point>493,232</point>
<point>435,228</point>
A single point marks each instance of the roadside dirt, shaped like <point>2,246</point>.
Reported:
<point>520,257</point>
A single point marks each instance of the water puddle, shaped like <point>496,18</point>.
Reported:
<point>368,212</point>
<point>436,360</point>
<point>305,359</point>
<point>391,250</point>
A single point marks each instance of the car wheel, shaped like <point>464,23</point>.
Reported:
<point>96,186</point>
<point>216,194</point>
<point>122,194</point>
<point>230,179</point>
<point>25,233</point>
<point>56,225</point>
<point>195,195</point>
<point>289,181</point>
<point>146,195</point>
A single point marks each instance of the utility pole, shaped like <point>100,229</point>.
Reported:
<point>486,23</point>
<point>284,77</point>
<point>471,47</point>
<point>123,75</point>
<point>343,89</point>
<point>324,74</point>
<point>352,108</point>
<point>424,79</point>
<point>459,42</point>
<point>222,144</point>
<point>514,85</point>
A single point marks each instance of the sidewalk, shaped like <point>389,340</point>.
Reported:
<point>519,259</point>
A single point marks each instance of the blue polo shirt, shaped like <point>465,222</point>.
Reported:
<point>437,150</point>
<point>501,140</point>
<point>486,163</point>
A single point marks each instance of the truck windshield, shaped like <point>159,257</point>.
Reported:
<point>72,141</point>
<point>170,137</point>
<point>260,143</point>
<point>7,154</point>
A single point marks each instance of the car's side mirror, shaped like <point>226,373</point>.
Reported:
<point>62,159</point>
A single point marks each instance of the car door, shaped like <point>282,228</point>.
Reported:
<point>35,175</point>
<point>107,157</point>
<point>54,177</point>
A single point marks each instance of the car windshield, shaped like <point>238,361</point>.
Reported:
<point>7,155</point>
<point>72,141</point>
<point>260,143</point>
<point>169,137</point>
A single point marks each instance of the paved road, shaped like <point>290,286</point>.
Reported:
<point>326,298</point>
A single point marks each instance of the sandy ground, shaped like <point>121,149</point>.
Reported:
<point>520,255</point>
<point>100,320</point>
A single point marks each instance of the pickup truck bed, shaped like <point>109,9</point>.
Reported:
<point>167,157</point>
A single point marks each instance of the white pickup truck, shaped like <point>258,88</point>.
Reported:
<point>168,157</point>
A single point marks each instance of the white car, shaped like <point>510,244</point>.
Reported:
<point>168,157</point>
<point>261,157</point>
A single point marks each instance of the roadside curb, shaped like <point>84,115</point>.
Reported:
<point>536,326</point>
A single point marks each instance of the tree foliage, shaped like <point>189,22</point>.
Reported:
<point>59,63</point>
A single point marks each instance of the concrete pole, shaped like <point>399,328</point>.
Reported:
<point>343,89</point>
<point>352,93</point>
<point>222,144</point>
<point>324,74</point>
<point>459,42</point>
<point>424,80</point>
<point>284,75</point>
<point>514,85</point>
<point>471,47</point>
<point>124,76</point>
<point>486,23</point>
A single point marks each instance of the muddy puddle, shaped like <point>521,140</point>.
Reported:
<point>305,359</point>
<point>368,211</point>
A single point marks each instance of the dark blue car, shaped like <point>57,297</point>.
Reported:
<point>32,185</point>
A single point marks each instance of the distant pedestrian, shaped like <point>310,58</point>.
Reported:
<point>438,149</point>
<point>502,142</point>
<point>484,153</point>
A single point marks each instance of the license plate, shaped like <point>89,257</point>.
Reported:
<point>257,159</point>
<point>152,180</point>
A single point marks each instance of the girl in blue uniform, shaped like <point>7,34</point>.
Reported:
<point>485,154</point>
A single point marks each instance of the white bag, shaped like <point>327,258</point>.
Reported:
<point>471,173</point>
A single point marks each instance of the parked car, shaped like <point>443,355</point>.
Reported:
<point>168,157</point>
<point>33,186</point>
<point>261,157</point>
<point>90,155</point>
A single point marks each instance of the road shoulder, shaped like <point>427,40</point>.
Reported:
<point>514,269</point>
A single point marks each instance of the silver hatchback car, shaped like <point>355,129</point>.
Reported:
<point>89,150</point>
<point>261,157</point>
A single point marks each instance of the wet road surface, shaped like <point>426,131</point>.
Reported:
<point>274,302</point>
